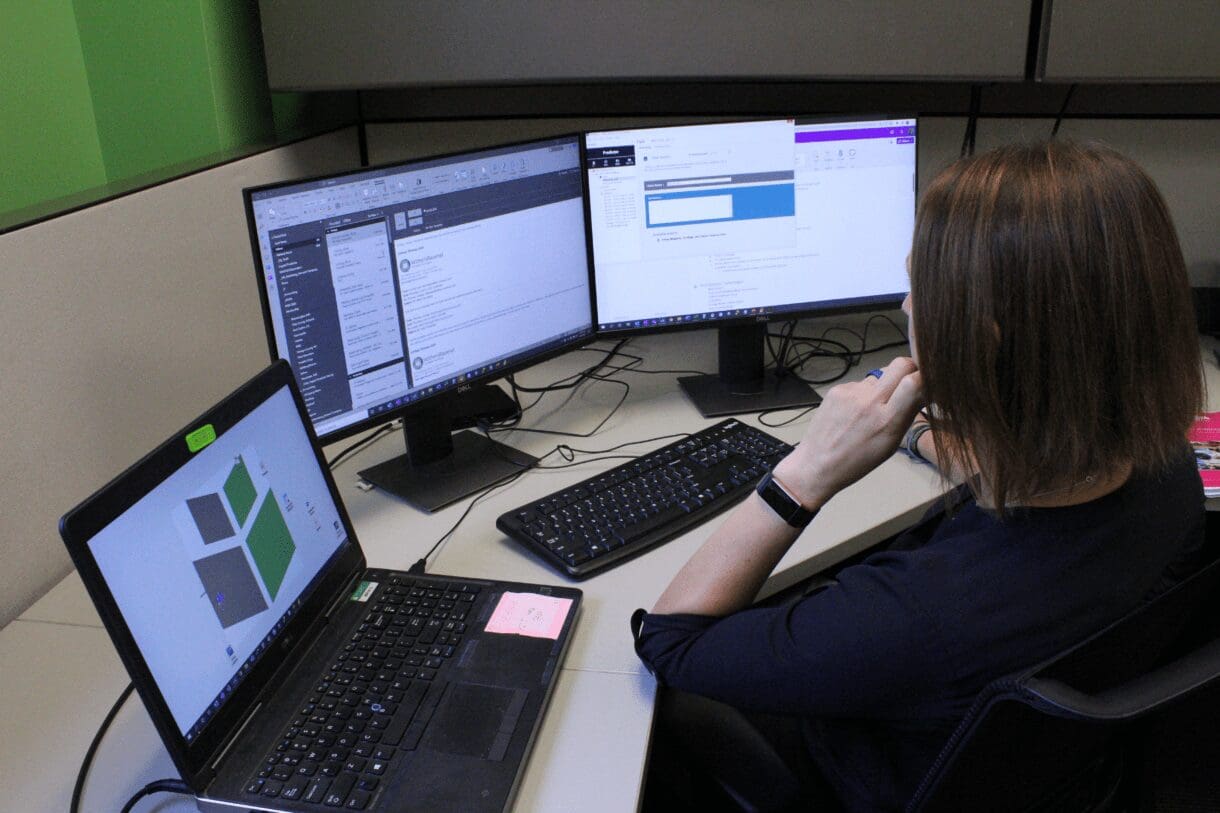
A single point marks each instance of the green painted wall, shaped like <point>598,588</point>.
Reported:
<point>149,76</point>
<point>49,144</point>
<point>101,91</point>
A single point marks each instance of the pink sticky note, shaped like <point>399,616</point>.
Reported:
<point>529,614</point>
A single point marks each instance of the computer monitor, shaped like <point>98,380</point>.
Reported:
<point>398,291</point>
<point>733,225</point>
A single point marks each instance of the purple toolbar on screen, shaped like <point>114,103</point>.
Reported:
<point>905,135</point>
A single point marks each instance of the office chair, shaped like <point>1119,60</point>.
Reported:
<point>1126,720</point>
<point>1088,730</point>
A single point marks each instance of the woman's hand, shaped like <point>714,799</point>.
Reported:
<point>854,429</point>
<point>858,426</point>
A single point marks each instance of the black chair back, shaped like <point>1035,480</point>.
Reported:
<point>1071,733</point>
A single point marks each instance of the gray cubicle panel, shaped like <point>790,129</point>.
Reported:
<point>1130,40</point>
<point>365,44</point>
<point>122,321</point>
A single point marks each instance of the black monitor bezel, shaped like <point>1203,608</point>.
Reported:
<point>804,310</point>
<point>406,411</point>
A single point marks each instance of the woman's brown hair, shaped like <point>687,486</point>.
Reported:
<point>1053,318</point>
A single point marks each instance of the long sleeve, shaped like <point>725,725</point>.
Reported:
<point>860,645</point>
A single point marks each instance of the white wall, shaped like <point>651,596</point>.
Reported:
<point>120,323</point>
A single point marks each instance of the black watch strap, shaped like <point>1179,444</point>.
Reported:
<point>783,503</point>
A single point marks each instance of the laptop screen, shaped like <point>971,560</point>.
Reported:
<point>209,565</point>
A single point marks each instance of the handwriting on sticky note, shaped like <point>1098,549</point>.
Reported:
<point>529,614</point>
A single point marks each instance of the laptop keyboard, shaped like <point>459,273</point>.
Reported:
<point>373,704</point>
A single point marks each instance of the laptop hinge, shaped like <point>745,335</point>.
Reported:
<point>233,740</point>
<point>343,595</point>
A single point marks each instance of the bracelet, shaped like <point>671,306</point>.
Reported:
<point>910,442</point>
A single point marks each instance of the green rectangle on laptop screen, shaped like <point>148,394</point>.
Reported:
<point>270,544</point>
<point>239,488</point>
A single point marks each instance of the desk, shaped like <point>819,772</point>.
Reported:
<point>61,674</point>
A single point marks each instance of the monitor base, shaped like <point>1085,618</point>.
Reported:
<point>476,463</point>
<point>713,398</point>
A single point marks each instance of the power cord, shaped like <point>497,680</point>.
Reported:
<point>87,762</point>
<point>160,786</point>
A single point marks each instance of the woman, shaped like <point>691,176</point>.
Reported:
<point>1056,341</point>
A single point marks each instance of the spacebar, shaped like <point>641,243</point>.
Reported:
<point>641,529</point>
<point>392,734</point>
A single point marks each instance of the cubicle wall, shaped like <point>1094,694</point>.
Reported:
<point>121,322</point>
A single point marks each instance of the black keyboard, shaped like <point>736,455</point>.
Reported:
<point>607,519</point>
<point>371,707</point>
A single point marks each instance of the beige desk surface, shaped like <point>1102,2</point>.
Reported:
<point>60,672</point>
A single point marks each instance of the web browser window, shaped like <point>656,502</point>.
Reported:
<point>703,222</point>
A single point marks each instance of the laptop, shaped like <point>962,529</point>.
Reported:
<point>280,671</point>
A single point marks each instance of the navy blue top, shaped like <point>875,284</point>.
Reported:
<point>883,663</point>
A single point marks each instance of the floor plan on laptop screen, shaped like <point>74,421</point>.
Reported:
<point>237,539</point>
<point>206,565</point>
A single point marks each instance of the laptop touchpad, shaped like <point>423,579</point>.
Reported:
<point>476,720</point>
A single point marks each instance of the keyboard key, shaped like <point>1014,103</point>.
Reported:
<point>337,795</point>
<point>316,791</point>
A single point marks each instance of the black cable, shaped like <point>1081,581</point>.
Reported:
<point>421,564</point>
<point>972,122</point>
<point>74,805</point>
<point>575,379</point>
<point>160,786</point>
<point>1062,109</point>
<point>381,432</point>
<point>560,385</point>
<point>626,392</point>
<point>793,419</point>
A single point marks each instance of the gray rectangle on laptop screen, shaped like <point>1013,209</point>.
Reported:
<point>231,586</point>
<point>210,518</point>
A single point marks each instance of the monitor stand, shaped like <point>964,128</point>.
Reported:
<point>441,467</point>
<point>743,384</point>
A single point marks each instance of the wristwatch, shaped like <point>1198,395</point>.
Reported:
<point>784,504</point>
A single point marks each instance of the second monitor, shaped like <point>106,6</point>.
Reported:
<point>734,225</point>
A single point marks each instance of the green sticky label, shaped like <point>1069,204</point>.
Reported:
<point>364,591</point>
<point>201,437</point>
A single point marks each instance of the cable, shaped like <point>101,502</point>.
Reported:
<point>575,379</point>
<point>804,348</point>
<point>560,385</point>
<point>972,122</point>
<point>421,565</point>
<point>762,417</point>
<point>626,392</point>
<point>160,786</point>
<point>568,453</point>
<point>1062,109</point>
<point>381,432</point>
<point>74,806</point>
